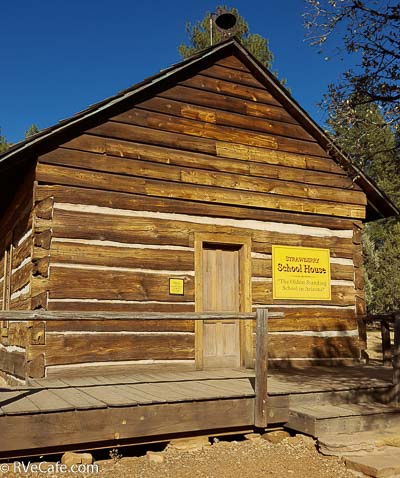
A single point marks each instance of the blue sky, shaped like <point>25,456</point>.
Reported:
<point>58,57</point>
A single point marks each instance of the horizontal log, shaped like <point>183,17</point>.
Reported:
<point>135,257</point>
<point>71,224</point>
<point>299,175</point>
<point>227,103</point>
<point>189,127</point>
<point>150,187</point>
<point>224,118</point>
<point>305,322</point>
<point>231,89</point>
<point>232,61</point>
<point>339,247</point>
<point>270,186</point>
<point>240,77</point>
<point>77,195</point>
<point>120,306</point>
<point>21,303</point>
<point>288,347</point>
<point>69,349</point>
<point>84,283</point>
<point>145,169</point>
<point>21,252</point>
<point>129,132</point>
<point>147,230</point>
<point>149,152</point>
<point>341,296</point>
<point>284,166</point>
<point>342,272</point>
<point>223,148</point>
<point>21,277</point>
<point>300,160</point>
<point>131,325</point>
<point>301,313</point>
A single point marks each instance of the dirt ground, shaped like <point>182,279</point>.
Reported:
<point>294,456</point>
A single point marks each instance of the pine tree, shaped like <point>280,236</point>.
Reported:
<point>371,144</point>
<point>3,143</point>
<point>199,38</point>
<point>33,129</point>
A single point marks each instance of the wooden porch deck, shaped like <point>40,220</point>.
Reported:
<point>136,406</point>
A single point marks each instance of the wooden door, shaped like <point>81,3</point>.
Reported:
<point>221,293</point>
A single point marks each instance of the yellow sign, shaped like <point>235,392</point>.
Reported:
<point>301,273</point>
<point>176,287</point>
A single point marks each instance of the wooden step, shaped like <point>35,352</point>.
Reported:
<point>316,420</point>
<point>382,394</point>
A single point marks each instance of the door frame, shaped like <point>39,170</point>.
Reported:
<point>245,326</point>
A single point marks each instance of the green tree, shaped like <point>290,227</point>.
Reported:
<point>381,243</point>
<point>3,143</point>
<point>33,129</point>
<point>371,144</point>
<point>199,38</point>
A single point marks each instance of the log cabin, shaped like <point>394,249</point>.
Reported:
<point>173,196</point>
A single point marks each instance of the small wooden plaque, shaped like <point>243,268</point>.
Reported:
<point>176,286</point>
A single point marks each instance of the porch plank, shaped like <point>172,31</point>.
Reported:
<point>47,401</point>
<point>78,399</point>
<point>108,395</point>
<point>160,391</point>
<point>20,405</point>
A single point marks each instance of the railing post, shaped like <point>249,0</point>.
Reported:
<point>386,349</point>
<point>261,390</point>
<point>396,358</point>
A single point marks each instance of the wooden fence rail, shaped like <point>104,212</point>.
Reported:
<point>20,316</point>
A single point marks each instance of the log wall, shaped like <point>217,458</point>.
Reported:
<point>118,207</point>
<point>15,279</point>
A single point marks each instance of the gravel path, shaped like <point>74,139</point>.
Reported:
<point>295,456</point>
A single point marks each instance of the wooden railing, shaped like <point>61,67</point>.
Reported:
<point>261,316</point>
<point>390,357</point>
